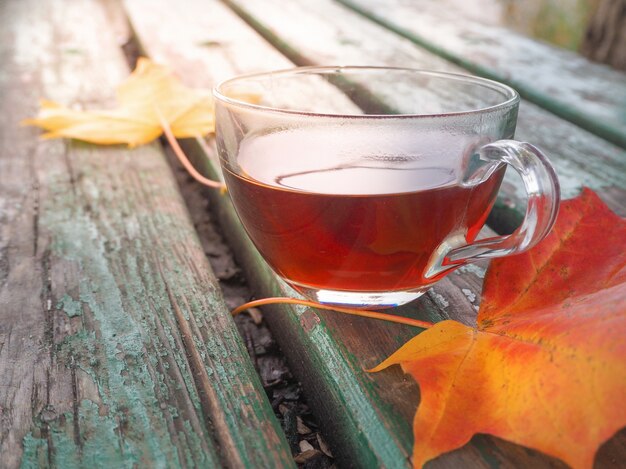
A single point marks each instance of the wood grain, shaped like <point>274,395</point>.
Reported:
<point>588,94</point>
<point>367,417</point>
<point>116,348</point>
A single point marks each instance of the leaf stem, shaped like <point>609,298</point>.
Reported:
<point>180,154</point>
<point>356,312</point>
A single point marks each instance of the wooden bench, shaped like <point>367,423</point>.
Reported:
<point>118,342</point>
<point>116,348</point>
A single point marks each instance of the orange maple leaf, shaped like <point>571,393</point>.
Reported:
<point>546,365</point>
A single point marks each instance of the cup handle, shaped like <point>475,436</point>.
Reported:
<point>543,190</point>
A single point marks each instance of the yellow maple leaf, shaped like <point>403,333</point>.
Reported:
<point>150,95</point>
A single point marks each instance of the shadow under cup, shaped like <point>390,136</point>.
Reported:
<point>362,186</point>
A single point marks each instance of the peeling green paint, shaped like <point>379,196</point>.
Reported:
<point>102,448</point>
<point>127,389</point>
<point>70,306</point>
<point>117,370</point>
<point>129,426</point>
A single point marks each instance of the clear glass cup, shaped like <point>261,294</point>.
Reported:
<point>363,186</point>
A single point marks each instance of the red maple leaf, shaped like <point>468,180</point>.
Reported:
<point>546,365</point>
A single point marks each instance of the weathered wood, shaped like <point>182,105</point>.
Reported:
<point>116,348</point>
<point>590,95</point>
<point>367,417</point>
<point>342,37</point>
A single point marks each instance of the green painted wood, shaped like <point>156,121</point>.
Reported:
<point>588,94</point>
<point>366,418</point>
<point>116,348</point>
<point>344,37</point>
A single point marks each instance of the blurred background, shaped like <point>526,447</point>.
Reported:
<point>595,28</point>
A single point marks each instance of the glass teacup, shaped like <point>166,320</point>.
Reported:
<point>363,186</point>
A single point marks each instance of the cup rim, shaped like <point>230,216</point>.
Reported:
<point>511,95</point>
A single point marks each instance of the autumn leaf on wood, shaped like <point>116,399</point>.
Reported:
<point>151,94</point>
<point>546,365</point>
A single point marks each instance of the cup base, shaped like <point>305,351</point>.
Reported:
<point>361,300</point>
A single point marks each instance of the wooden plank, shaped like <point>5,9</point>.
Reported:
<point>366,417</point>
<point>588,94</point>
<point>342,37</point>
<point>116,348</point>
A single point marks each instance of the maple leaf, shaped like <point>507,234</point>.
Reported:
<point>150,95</point>
<point>546,365</point>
